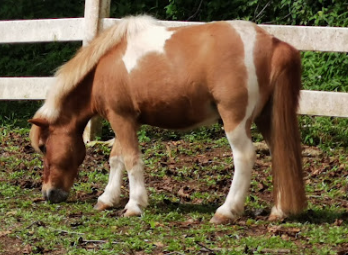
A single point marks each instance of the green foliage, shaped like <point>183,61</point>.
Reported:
<point>328,132</point>
<point>17,113</point>
<point>300,12</point>
<point>41,59</point>
<point>314,13</point>
<point>40,9</point>
<point>325,71</point>
<point>123,8</point>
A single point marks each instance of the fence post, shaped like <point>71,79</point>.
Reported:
<point>95,10</point>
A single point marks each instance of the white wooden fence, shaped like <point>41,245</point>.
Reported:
<point>328,39</point>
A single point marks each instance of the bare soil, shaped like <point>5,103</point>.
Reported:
<point>318,168</point>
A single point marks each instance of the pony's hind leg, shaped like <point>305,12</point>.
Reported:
<point>244,157</point>
<point>111,195</point>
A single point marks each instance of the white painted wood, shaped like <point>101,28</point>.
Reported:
<point>44,30</point>
<point>91,20</point>
<point>317,103</point>
<point>24,88</point>
<point>322,103</point>
<point>95,11</point>
<point>330,39</point>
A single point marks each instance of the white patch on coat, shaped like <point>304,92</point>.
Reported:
<point>247,33</point>
<point>151,40</point>
<point>241,144</point>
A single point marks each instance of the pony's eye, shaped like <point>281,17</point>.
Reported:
<point>42,148</point>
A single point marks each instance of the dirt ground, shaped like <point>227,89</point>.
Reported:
<point>317,168</point>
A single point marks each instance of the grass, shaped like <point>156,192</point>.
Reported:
<point>174,223</point>
<point>188,176</point>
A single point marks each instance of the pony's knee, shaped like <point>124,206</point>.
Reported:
<point>116,162</point>
<point>133,163</point>
<point>242,146</point>
<point>244,156</point>
<point>246,153</point>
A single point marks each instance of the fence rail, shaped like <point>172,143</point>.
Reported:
<point>326,39</point>
<point>329,39</point>
<point>42,30</point>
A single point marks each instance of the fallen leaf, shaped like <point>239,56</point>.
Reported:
<point>5,233</point>
<point>159,244</point>
<point>38,199</point>
<point>279,230</point>
<point>338,222</point>
<point>27,249</point>
<point>11,213</point>
<point>181,193</point>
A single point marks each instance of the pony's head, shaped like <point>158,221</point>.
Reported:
<point>63,151</point>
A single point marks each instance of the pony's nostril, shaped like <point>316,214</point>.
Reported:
<point>57,196</point>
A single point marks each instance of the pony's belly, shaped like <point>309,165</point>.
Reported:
<point>179,117</point>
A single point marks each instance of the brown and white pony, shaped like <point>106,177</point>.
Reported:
<point>140,72</point>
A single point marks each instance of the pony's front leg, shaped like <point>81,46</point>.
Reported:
<point>244,157</point>
<point>137,192</point>
<point>111,195</point>
<point>126,132</point>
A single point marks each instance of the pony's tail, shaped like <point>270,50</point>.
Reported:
<point>289,192</point>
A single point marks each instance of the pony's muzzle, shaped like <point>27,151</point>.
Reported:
<point>55,195</point>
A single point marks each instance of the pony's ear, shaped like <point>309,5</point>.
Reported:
<point>40,127</point>
<point>40,122</point>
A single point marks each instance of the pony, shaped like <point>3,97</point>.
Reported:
<point>142,72</point>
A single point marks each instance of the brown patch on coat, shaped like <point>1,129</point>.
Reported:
<point>222,69</point>
<point>191,67</point>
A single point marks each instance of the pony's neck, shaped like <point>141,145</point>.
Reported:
<point>77,107</point>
